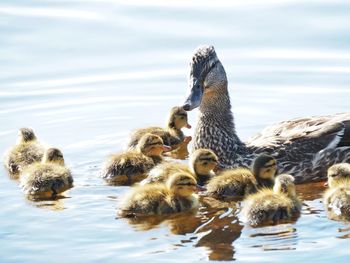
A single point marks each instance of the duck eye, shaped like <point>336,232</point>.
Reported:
<point>205,163</point>
<point>333,175</point>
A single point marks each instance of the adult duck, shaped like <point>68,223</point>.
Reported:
<point>303,147</point>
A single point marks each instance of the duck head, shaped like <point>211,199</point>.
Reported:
<point>182,184</point>
<point>203,162</point>
<point>284,184</point>
<point>53,155</point>
<point>207,79</point>
<point>152,145</point>
<point>338,174</point>
<point>178,119</point>
<point>26,135</point>
<point>265,169</point>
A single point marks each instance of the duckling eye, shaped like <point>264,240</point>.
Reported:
<point>205,163</point>
<point>333,175</point>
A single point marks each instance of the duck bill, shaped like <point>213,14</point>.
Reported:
<point>200,188</point>
<point>166,148</point>
<point>188,126</point>
<point>195,98</point>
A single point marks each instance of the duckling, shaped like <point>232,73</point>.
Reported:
<point>234,183</point>
<point>48,178</point>
<point>176,195</point>
<point>337,197</point>
<point>26,151</point>
<point>264,169</point>
<point>171,135</point>
<point>202,163</point>
<point>131,166</point>
<point>271,205</point>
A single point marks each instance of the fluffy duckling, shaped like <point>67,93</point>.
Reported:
<point>171,135</point>
<point>176,195</point>
<point>271,205</point>
<point>131,166</point>
<point>202,163</point>
<point>26,151</point>
<point>264,169</point>
<point>48,178</point>
<point>234,183</point>
<point>337,197</point>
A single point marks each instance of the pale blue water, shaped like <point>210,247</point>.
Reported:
<point>83,74</point>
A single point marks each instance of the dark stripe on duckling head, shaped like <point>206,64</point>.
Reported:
<point>27,134</point>
<point>209,159</point>
<point>341,169</point>
<point>175,112</point>
<point>262,161</point>
<point>53,154</point>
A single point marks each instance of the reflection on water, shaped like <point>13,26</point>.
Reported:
<point>84,73</point>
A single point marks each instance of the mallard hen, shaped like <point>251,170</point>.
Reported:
<point>303,147</point>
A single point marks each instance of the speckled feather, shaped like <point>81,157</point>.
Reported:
<point>303,147</point>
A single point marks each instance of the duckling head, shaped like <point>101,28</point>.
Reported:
<point>338,173</point>
<point>182,184</point>
<point>152,145</point>
<point>284,183</point>
<point>265,169</point>
<point>178,118</point>
<point>207,78</point>
<point>53,155</point>
<point>26,135</point>
<point>203,161</point>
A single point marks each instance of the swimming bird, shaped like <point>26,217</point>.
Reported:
<point>201,165</point>
<point>233,183</point>
<point>132,166</point>
<point>270,206</point>
<point>303,147</point>
<point>177,195</point>
<point>48,178</point>
<point>172,135</point>
<point>26,151</point>
<point>337,197</point>
<point>264,169</point>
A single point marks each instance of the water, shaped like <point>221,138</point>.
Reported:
<point>83,74</point>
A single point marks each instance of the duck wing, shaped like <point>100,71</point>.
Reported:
<point>306,145</point>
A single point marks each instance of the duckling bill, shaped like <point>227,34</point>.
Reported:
<point>132,166</point>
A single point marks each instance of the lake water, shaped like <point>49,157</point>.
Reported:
<point>83,74</point>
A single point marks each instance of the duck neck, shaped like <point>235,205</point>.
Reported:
<point>216,120</point>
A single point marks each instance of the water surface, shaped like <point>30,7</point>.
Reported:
<point>84,74</point>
